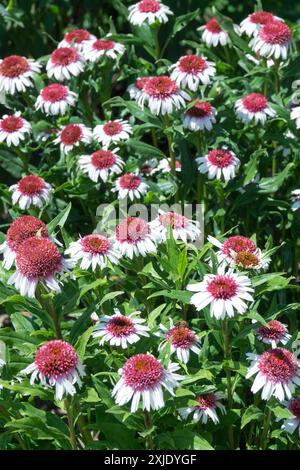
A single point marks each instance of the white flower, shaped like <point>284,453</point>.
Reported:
<point>31,191</point>
<point>183,340</point>
<point>218,163</point>
<point>120,330</point>
<point>291,424</point>
<point>130,185</point>
<point>17,73</point>
<point>93,250</point>
<point>55,99</point>
<point>209,403</point>
<point>134,237</point>
<point>97,49</point>
<point>213,34</point>
<point>255,21</point>
<point>164,166</point>
<point>135,89</point>
<point>56,364</point>
<point>273,332</point>
<point>225,292</point>
<point>200,116</point>
<point>191,70</point>
<point>148,11</point>
<point>183,228</point>
<point>296,197</point>
<point>65,63</point>
<point>295,115</point>
<point>101,164</point>
<point>277,371</point>
<point>162,95</point>
<point>143,377</point>
<point>76,38</point>
<point>112,131</point>
<point>13,129</point>
<point>254,107</point>
<point>272,40</point>
<point>72,135</point>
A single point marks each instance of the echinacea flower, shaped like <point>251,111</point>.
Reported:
<point>255,21</point>
<point>135,89</point>
<point>249,260</point>
<point>218,163</point>
<point>200,116</point>
<point>144,377</point>
<point>130,185</point>
<point>31,190</point>
<point>164,166</point>
<point>134,237</point>
<point>296,199</point>
<point>182,340</point>
<point>225,292</point>
<point>295,115</point>
<point>65,63</point>
<point>93,250</point>
<point>13,129</point>
<point>162,95</point>
<point>112,131</point>
<point>291,424</point>
<point>22,228</point>
<point>232,245</point>
<point>38,260</point>
<point>191,70</point>
<point>55,99</point>
<point>99,48</point>
<point>101,164</point>
<point>182,228</point>
<point>57,365</point>
<point>17,73</point>
<point>277,373</point>
<point>72,135</point>
<point>254,107</point>
<point>272,40</point>
<point>148,11</point>
<point>273,332</point>
<point>76,38</point>
<point>120,330</point>
<point>213,34</point>
<point>209,403</point>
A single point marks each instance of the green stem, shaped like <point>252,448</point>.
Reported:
<point>277,77</point>
<point>148,425</point>
<point>47,304</point>
<point>227,356</point>
<point>69,411</point>
<point>264,437</point>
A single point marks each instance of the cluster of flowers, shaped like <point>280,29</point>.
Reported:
<point>38,259</point>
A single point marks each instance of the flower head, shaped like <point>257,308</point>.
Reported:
<point>183,228</point>
<point>17,73</point>
<point>93,250</point>
<point>55,99</point>
<point>162,95</point>
<point>56,364</point>
<point>144,377</point>
<point>134,236</point>
<point>254,107</point>
<point>224,292</point>
<point>31,191</point>
<point>277,371</point>
<point>191,71</point>
<point>272,40</point>
<point>182,340</point>
<point>273,332</point>
<point>135,89</point>
<point>76,38</point>
<point>218,163</point>
<point>112,131</point>
<point>72,135</point>
<point>200,116</point>
<point>13,129</point>
<point>164,166</point>
<point>291,424</point>
<point>130,185</point>
<point>37,260</point>
<point>120,330</point>
<point>296,199</point>
<point>213,34</point>
<point>255,21</point>
<point>97,49</point>
<point>148,11</point>
<point>295,115</point>
<point>101,164</point>
<point>21,229</point>
<point>65,63</point>
<point>208,404</point>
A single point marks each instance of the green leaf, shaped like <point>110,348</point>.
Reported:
<point>251,414</point>
<point>60,219</point>
<point>145,150</point>
<point>81,344</point>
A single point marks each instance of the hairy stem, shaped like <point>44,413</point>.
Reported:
<point>148,425</point>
